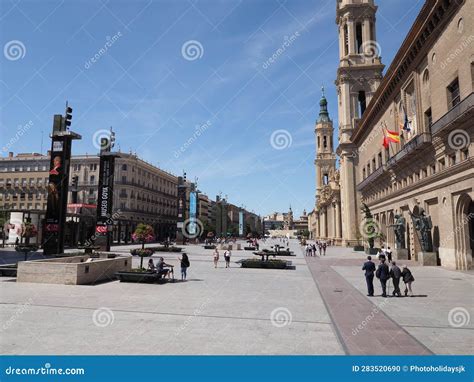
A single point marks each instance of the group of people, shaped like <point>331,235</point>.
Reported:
<point>166,270</point>
<point>385,273</point>
<point>385,254</point>
<point>318,246</point>
<point>227,255</point>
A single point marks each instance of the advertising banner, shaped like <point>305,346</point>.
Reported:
<point>58,181</point>
<point>105,198</point>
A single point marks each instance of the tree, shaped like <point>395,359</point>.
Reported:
<point>143,234</point>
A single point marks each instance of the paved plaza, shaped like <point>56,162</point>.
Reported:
<point>319,307</point>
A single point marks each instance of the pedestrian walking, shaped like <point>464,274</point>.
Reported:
<point>324,248</point>
<point>381,254</point>
<point>369,268</point>
<point>395,274</point>
<point>184,265</point>
<point>383,274</point>
<point>407,279</point>
<point>216,257</point>
<point>227,255</point>
<point>313,249</point>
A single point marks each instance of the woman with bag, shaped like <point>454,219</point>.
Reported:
<point>407,279</point>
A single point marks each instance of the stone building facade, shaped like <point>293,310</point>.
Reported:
<point>143,193</point>
<point>426,97</point>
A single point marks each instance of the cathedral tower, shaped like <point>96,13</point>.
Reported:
<point>325,161</point>
<point>358,77</point>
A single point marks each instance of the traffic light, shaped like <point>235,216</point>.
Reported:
<point>67,117</point>
<point>75,180</point>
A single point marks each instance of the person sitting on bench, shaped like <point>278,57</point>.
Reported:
<point>162,271</point>
<point>151,266</point>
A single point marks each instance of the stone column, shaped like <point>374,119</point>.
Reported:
<point>351,36</point>
<point>338,219</point>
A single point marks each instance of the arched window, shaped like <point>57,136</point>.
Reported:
<point>325,142</point>
<point>426,77</point>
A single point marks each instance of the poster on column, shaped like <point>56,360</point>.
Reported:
<point>57,196</point>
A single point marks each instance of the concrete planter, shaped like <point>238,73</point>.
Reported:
<point>270,264</point>
<point>76,270</point>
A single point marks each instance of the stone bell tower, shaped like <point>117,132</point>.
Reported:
<point>358,77</point>
<point>325,161</point>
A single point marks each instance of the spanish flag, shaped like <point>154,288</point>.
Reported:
<point>393,136</point>
<point>390,136</point>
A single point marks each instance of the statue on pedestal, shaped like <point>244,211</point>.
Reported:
<point>423,225</point>
<point>399,229</point>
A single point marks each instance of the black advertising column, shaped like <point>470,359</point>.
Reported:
<point>180,238</point>
<point>105,195</point>
<point>55,220</point>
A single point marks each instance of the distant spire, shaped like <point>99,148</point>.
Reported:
<point>323,108</point>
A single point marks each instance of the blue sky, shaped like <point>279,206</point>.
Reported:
<point>155,92</point>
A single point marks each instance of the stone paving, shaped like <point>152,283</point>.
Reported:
<point>312,309</point>
<point>217,311</point>
<point>437,320</point>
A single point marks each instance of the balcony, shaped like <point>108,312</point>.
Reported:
<point>460,113</point>
<point>371,178</point>
<point>406,153</point>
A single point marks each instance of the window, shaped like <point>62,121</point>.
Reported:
<point>374,164</point>
<point>380,159</point>
<point>346,40</point>
<point>363,173</point>
<point>362,103</point>
<point>359,38</point>
<point>426,77</point>
<point>124,167</point>
<point>325,179</point>
<point>325,142</point>
<point>319,142</point>
<point>453,93</point>
<point>92,179</point>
